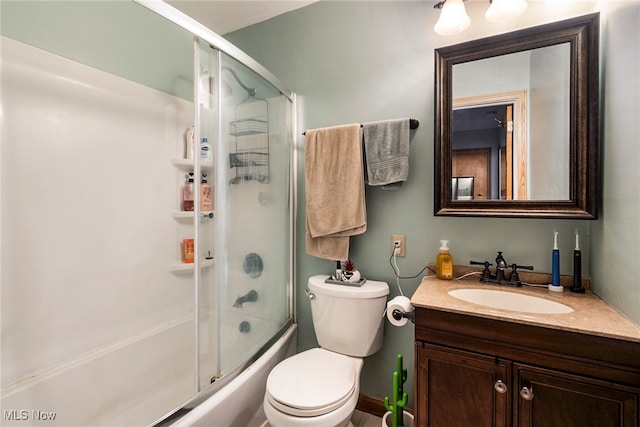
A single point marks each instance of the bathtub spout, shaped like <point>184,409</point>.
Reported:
<point>251,296</point>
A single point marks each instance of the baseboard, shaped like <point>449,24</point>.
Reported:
<point>373,406</point>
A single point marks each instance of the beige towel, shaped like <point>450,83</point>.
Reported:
<point>334,186</point>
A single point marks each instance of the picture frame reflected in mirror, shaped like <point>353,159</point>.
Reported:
<point>462,188</point>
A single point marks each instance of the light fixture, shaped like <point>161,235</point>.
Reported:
<point>504,10</point>
<point>453,18</point>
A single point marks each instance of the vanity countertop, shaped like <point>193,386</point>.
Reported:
<point>591,314</point>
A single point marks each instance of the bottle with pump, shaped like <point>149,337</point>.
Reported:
<point>187,193</point>
<point>444,262</point>
<point>206,195</point>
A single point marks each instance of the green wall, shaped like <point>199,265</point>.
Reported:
<point>615,253</point>
<point>373,60</point>
<point>119,37</point>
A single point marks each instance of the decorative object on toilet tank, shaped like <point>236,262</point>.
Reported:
<point>399,418</point>
<point>349,272</point>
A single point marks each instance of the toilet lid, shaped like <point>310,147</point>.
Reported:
<point>311,383</point>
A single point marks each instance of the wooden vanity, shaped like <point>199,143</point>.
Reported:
<point>478,366</point>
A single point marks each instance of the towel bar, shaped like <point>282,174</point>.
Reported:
<point>413,124</point>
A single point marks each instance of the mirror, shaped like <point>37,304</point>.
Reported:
<point>517,125</point>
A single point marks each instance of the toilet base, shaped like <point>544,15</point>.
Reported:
<point>341,417</point>
<point>266,424</point>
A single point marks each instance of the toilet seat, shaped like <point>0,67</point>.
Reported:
<point>311,383</point>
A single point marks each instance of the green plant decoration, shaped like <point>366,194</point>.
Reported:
<point>399,396</point>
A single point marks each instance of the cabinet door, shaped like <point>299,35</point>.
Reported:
<point>547,399</point>
<point>457,388</point>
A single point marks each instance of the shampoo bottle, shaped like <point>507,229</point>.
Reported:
<point>205,150</point>
<point>444,262</point>
<point>206,195</point>
<point>187,193</point>
<point>189,143</point>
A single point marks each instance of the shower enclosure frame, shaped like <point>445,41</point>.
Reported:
<point>203,34</point>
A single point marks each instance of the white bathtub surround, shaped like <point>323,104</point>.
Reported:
<point>97,329</point>
<point>93,322</point>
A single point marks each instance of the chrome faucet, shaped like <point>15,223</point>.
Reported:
<point>500,277</point>
<point>251,296</point>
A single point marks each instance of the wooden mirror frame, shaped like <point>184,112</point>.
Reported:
<point>582,33</point>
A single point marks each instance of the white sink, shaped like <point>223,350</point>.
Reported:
<point>510,301</point>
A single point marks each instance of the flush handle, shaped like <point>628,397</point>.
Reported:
<point>310,294</point>
<point>500,387</point>
<point>526,393</point>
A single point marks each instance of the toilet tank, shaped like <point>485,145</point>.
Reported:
<point>348,319</point>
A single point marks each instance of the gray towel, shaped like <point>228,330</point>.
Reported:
<point>386,146</point>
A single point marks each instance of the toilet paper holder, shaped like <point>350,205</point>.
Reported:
<point>399,314</point>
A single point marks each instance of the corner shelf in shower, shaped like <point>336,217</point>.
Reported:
<point>178,267</point>
<point>189,164</point>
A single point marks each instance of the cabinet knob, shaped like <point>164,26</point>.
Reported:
<point>526,393</point>
<point>500,387</point>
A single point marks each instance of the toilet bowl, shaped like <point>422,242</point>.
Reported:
<point>320,387</point>
<point>325,395</point>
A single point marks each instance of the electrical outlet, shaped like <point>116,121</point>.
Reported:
<point>398,238</point>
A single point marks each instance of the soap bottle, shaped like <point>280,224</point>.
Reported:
<point>444,262</point>
<point>205,150</point>
<point>206,195</point>
<point>187,193</point>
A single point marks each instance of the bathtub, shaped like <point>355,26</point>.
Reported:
<point>239,402</point>
<point>86,391</point>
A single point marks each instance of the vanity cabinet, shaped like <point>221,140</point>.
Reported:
<point>457,388</point>
<point>477,371</point>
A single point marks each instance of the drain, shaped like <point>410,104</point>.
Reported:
<point>245,327</point>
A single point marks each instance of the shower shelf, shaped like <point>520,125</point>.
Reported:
<point>177,267</point>
<point>249,155</point>
<point>182,215</point>
<point>189,164</point>
<point>249,126</point>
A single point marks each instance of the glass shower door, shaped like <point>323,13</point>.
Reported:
<point>254,213</point>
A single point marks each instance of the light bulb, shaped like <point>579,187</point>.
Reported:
<point>453,18</point>
<point>504,10</point>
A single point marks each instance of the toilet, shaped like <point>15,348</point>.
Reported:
<point>320,387</point>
